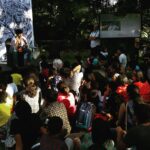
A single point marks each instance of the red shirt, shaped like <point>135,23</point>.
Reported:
<point>139,84</point>
<point>144,91</point>
<point>122,90</point>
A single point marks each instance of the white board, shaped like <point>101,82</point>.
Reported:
<point>120,26</point>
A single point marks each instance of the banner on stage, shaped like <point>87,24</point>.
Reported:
<point>15,14</point>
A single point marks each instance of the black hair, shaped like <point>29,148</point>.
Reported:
<point>18,31</point>
<point>132,91</point>
<point>54,125</point>
<point>22,109</point>
<point>44,64</point>
<point>142,112</point>
<point>62,87</point>
<point>100,131</point>
<point>65,72</point>
<point>94,85</point>
<point>52,71</point>
<point>28,78</point>
<point>50,95</point>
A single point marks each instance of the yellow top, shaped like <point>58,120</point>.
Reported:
<point>5,112</point>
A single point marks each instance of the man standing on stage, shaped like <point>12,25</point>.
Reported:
<point>20,46</point>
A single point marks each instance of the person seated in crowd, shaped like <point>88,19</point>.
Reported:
<point>101,135</point>
<point>54,108</point>
<point>72,76</point>
<point>43,73</point>
<point>32,93</point>
<point>53,140</point>
<point>17,77</point>
<point>26,127</point>
<point>67,98</point>
<point>144,86</point>
<point>57,64</point>
<point>138,136</point>
<point>5,108</point>
<point>94,96</point>
<point>122,83</point>
<point>53,79</point>
<point>11,88</point>
<point>126,115</point>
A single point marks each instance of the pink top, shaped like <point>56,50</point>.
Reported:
<point>69,101</point>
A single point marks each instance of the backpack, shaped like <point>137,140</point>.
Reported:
<point>85,115</point>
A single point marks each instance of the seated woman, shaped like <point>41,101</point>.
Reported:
<point>53,140</point>
<point>26,128</point>
<point>67,98</point>
<point>54,108</point>
<point>32,93</point>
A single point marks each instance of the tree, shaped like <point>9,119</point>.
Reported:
<point>71,19</point>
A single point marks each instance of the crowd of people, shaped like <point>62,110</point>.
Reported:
<point>102,102</point>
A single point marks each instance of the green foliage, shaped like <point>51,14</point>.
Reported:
<point>145,34</point>
<point>58,19</point>
<point>72,19</point>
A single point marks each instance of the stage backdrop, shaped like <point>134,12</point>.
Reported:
<point>126,26</point>
<point>15,14</point>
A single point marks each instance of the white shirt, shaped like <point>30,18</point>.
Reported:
<point>33,101</point>
<point>22,43</point>
<point>76,81</point>
<point>96,42</point>
<point>105,54</point>
<point>123,59</point>
<point>11,89</point>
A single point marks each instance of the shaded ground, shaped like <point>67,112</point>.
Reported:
<point>68,55</point>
